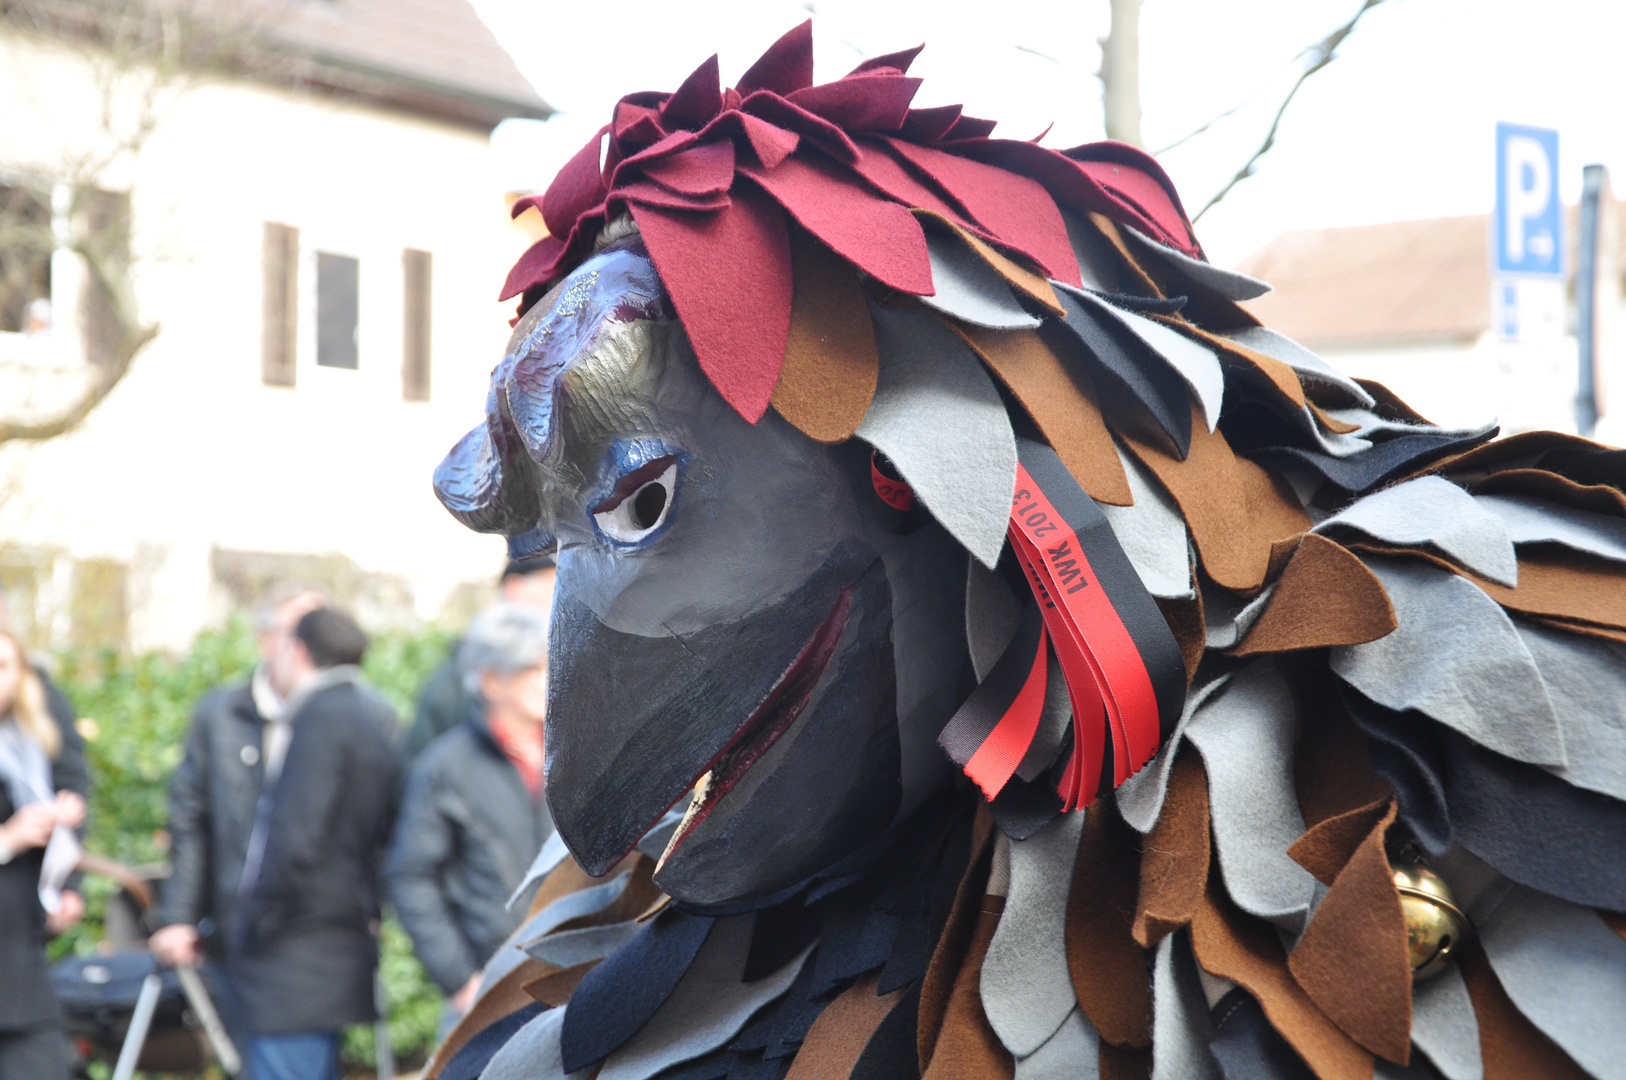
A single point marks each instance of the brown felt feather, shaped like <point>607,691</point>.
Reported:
<point>1028,282</point>
<point>1235,509</point>
<point>831,360</point>
<point>1231,354</point>
<point>1325,596</point>
<point>1062,402</point>
<point>1353,959</point>
<point>554,988</point>
<point>1174,861</point>
<point>1597,498</point>
<point>507,997</point>
<point>955,943</point>
<point>1235,946</point>
<point>1512,1047</point>
<point>1331,772</point>
<point>1107,965</point>
<point>1125,1062</point>
<point>1185,619</point>
<point>1109,230</point>
<point>838,1037</point>
<point>966,1046</point>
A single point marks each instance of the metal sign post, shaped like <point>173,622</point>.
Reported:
<point>1589,298</point>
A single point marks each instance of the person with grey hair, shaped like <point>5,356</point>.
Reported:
<point>473,817</point>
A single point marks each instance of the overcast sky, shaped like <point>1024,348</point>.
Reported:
<point>1399,127</point>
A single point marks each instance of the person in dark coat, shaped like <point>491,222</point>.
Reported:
<point>306,927</point>
<point>43,785</point>
<point>473,817</point>
<point>444,702</point>
<point>237,735</point>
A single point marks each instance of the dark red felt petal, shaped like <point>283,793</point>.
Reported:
<point>928,125</point>
<point>771,143</point>
<point>702,170</point>
<point>578,187</point>
<point>698,100</point>
<point>970,127</point>
<point>1016,210</point>
<point>861,103</point>
<point>1136,176</point>
<point>537,264</point>
<point>877,165</point>
<point>637,125</point>
<point>873,233</point>
<point>786,67</point>
<point>898,61</point>
<point>780,111</point>
<point>731,99</point>
<point>628,167</point>
<point>729,277</point>
<point>652,194</point>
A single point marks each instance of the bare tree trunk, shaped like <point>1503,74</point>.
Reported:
<point>1120,73</point>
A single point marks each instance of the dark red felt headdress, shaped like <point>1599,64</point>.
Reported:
<point>709,176</point>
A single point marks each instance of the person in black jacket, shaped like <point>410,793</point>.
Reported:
<point>473,817</point>
<point>445,702</point>
<point>238,735</point>
<point>306,928</point>
<point>43,784</point>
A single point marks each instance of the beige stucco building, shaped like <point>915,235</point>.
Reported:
<point>315,227</point>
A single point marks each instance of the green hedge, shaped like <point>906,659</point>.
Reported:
<point>135,712</point>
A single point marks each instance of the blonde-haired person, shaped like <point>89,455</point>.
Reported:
<point>41,758</point>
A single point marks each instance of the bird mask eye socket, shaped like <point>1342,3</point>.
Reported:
<point>640,502</point>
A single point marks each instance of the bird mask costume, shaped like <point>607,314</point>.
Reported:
<point>981,649</point>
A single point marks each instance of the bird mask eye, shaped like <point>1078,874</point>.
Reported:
<point>640,502</point>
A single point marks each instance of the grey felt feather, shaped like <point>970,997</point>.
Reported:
<point>1311,369</point>
<point>1231,284</point>
<point>1072,1053</point>
<point>1586,681</point>
<point>1140,798</point>
<point>1099,265</point>
<point>568,948</point>
<point>1565,970</point>
<point>992,612</point>
<point>1444,1026</point>
<point>1026,989</point>
<point>1180,1028</point>
<point>1245,734</point>
<point>533,1053</point>
<point>707,1008</point>
<point>1432,510</point>
<point>1369,425</point>
<point>1227,618</point>
<point>937,415</point>
<point>552,854</point>
<point>511,953</point>
<point>970,290</point>
<point>1195,364</point>
<point>1457,657</point>
<point>1151,532</point>
<point>1533,521</point>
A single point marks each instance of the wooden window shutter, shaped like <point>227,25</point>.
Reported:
<point>417,273</point>
<point>279,311</point>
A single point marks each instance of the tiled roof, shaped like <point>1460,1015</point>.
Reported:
<point>1402,282</point>
<point>419,49</point>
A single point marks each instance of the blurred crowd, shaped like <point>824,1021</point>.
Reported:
<point>301,806</point>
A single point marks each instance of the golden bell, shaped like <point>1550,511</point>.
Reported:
<point>1435,926</point>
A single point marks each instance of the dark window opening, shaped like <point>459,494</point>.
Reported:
<point>417,272</point>
<point>26,242</point>
<point>337,301</point>
<point>279,309</point>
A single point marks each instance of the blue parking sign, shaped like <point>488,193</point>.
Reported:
<point>1529,217</point>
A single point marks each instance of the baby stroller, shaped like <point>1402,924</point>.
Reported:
<point>120,1006</point>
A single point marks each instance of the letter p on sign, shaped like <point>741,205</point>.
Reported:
<point>1529,219</point>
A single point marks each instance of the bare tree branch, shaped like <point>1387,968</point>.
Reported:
<point>1321,54</point>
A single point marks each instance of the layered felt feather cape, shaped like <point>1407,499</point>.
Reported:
<point>1386,633</point>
